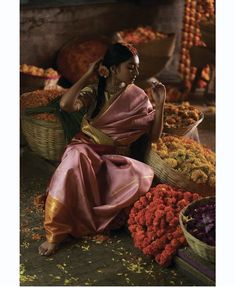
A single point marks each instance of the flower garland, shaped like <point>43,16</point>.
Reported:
<point>154,222</point>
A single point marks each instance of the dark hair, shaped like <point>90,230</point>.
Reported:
<point>116,54</point>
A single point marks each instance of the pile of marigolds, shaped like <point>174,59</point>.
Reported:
<point>74,59</point>
<point>140,35</point>
<point>188,157</point>
<point>154,222</point>
<point>40,98</point>
<point>36,71</point>
<point>177,116</point>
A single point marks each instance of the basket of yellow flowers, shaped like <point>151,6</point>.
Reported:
<point>183,163</point>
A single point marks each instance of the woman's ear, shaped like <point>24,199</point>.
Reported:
<point>113,69</point>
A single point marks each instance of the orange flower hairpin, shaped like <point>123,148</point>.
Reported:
<point>103,71</point>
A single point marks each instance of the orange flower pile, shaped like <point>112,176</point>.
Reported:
<point>140,35</point>
<point>195,11</point>
<point>154,222</point>
<point>41,98</point>
<point>177,116</point>
<point>36,71</point>
<point>75,58</point>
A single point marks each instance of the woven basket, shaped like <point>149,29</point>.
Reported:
<point>168,175</point>
<point>29,83</point>
<point>202,249</point>
<point>183,130</point>
<point>44,138</point>
<point>154,56</point>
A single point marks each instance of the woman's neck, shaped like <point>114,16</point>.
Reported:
<point>113,87</point>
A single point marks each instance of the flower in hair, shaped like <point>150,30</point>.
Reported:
<point>103,71</point>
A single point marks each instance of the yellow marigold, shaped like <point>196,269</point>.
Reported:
<point>171,162</point>
<point>212,179</point>
<point>199,176</point>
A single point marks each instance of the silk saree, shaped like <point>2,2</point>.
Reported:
<point>96,179</point>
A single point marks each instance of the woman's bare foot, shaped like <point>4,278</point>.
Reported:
<point>47,248</point>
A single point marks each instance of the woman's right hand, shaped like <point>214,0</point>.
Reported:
<point>93,68</point>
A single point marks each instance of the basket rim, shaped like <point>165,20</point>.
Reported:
<point>41,77</point>
<point>200,188</point>
<point>185,128</point>
<point>46,124</point>
<point>189,235</point>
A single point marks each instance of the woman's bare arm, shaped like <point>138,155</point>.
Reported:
<point>159,96</point>
<point>70,101</point>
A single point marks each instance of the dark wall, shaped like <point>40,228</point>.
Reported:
<point>44,30</point>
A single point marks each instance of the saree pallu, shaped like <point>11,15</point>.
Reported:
<point>93,184</point>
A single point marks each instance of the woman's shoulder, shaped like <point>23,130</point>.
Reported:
<point>137,90</point>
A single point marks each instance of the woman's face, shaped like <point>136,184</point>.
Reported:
<point>127,71</point>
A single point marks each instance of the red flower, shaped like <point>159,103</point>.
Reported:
<point>154,224</point>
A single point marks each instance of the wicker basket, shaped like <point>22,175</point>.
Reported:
<point>29,83</point>
<point>183,130</point>
<point>154,56</point>
<point>202,249</point>
<point>168,175</point>
<point>44,138</point>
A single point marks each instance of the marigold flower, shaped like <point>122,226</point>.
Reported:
<point>103,71</point>
<point>154,224</point>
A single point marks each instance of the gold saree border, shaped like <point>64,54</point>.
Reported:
<point>96,135</point>
<point>57,222</point>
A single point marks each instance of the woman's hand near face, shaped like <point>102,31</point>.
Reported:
<point>159,97</point>
<point>158,93</point>
<point>93,68</point>
<point>70,101</point>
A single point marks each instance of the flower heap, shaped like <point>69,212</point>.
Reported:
<point>188,157</point>
<point>36,71</point>
<point>195,11</point>
<point>74,59</point>
<point>140,35</point>
<point>177,116</point>
<point>40,98</point>
<point>154,222</point>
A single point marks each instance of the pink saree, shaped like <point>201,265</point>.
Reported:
<point>94,182</point>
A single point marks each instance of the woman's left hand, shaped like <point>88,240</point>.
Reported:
<point>158,93</point>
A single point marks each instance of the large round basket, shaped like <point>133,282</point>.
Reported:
<point>154,56</point>
<point>44,138</point>
<point>183,130</point>
<point>202,249</point>
<point>168,175</point>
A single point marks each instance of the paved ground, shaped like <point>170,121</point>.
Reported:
<point>103,260</point>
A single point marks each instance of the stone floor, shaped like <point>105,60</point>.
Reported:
<point>102,260</point>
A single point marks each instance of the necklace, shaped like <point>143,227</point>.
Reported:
<point>115,89</point>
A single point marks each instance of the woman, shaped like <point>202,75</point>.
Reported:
<point>96,180</point>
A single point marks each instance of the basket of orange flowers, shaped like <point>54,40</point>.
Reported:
<point>35,78</point>
<point>46,128</point>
